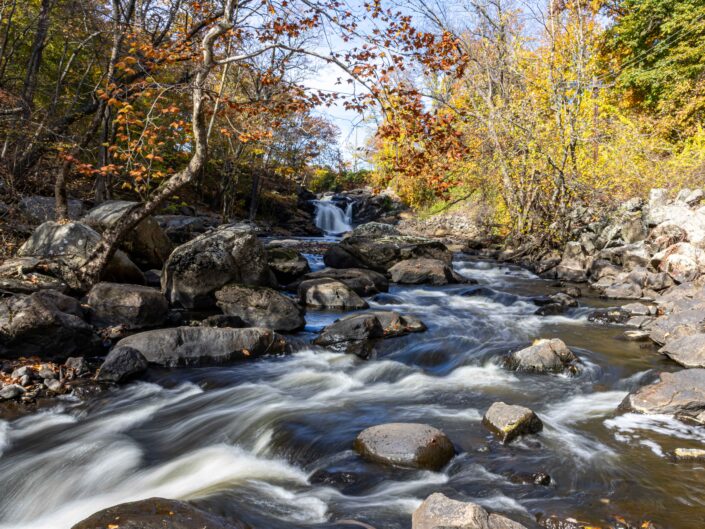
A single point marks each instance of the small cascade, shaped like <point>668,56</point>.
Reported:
<point>331,218</point>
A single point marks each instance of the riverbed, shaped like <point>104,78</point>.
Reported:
<point>269,441</point>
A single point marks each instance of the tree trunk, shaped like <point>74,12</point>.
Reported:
<point>35,59</point>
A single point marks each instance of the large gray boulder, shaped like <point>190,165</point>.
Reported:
<point>261,307</point>
<point>677,325</point>
<point>47,324</point>
<point>155,513</point>
<point>374,229</point>
<point>26,275</point>
<point>692,222</point>
<point>544,356</point>
<point>575,263</point>
<point>193,346</point>
<point>405,445</point>
<point>329,294</point>
<point>673,393</point>
<point>363,281</point>
<point>183,228</point>
<point>70,246</point>
<point>508,422</point>
<point>146,243</point>
<point>423,271</point>
<point>229,254</point>
<point>440,512</point>
<point>132,306</point>
<point>666,234</point>
<point>381,253</point>
<point>287,264</point>
<point>357,333</point>
<point>42,209</point>
<point>688,351</point>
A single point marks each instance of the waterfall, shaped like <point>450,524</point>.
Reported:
<point>331,218</point>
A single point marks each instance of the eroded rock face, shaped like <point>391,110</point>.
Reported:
<point>155,513</point>
<point>229,254</point>
<point>440,512</point>
<point>683,391</point>
<point>133,306</point>
<point>423,271</point>
<point>364,282</point>
<point>261,307</point>
<point>381,253</point>
<point>406,445</point>
<point>357,333</point>
<point>688,351</point>
<point>508,422</point>
<point>46,324</point>
<point>121,364</point>
<point>287,264</point>
<point>329,294</point>
<point>544,356</point>
<point>146,243</point>
<point>70,245</point>
<point>193,346</point>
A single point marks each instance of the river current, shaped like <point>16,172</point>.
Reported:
<point>269,441</point>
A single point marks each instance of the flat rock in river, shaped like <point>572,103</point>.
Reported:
<point>440,512</point>
<point>192,346</point>
<point>688,351</point>
<point>424,271</point>
<point>155,513</point>
<point>364,282</point>
<point>133,306</point>
<point>508,422</point>
<point>673,393</point>
<point>261,307</point>
<point>405,444</point>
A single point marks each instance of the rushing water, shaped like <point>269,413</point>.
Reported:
<point>269,441</point>
<point>331,218</point>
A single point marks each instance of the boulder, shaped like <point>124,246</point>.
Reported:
<point>626,290</point>
<point>556,304</point>
<point>42,209</point>
<point>261,307</point>
<point>121,364</point>
<point>664,235</point>
<point>689,454</point>
<point>229,254</point>
<point>508,422</point>
<point>287,264</point>
<point>423,271</point>
<point>673,393</point>
<point>146,243</point>
<point>357,333</point>
<point>694,198</point>
<point>405,445</point>
<point>182,228</point>
<point>688,351</point>
<point>575,263</point>
<point>677,325</point>
<point>70,245</point>
<point>194,346</point>
<point>544,356</point>
<point>374,229</point>
<point>683,262</point>
<point>692,222</point>
<point>329,294</point>
<point>381,253</point>
<point>44,324</point>
<point>364,282</point>
<point>603,268</point>
<point>26,275</point>
<point>440,512</point>
<point>616,316</point>
<point>132,306</point>
<point>155,513</point>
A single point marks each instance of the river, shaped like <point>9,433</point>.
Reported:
<point>269,441</point>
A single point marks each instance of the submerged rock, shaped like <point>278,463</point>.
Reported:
<point>193,346</point>
<point>121,364</point>
<point>508,422</point>
<point>424,271</point>
<point>329,294</point>
<point>406,445</point>
<point>357,333</point>
<point>544,356</point>
<point>672,393</point>
<point>261,307</point>
<point>133,306</point>
<point>155,513</point>
<point>440,512</point>
<point>229,254</point>
<point>364,282</point>
<point>44,324</point>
